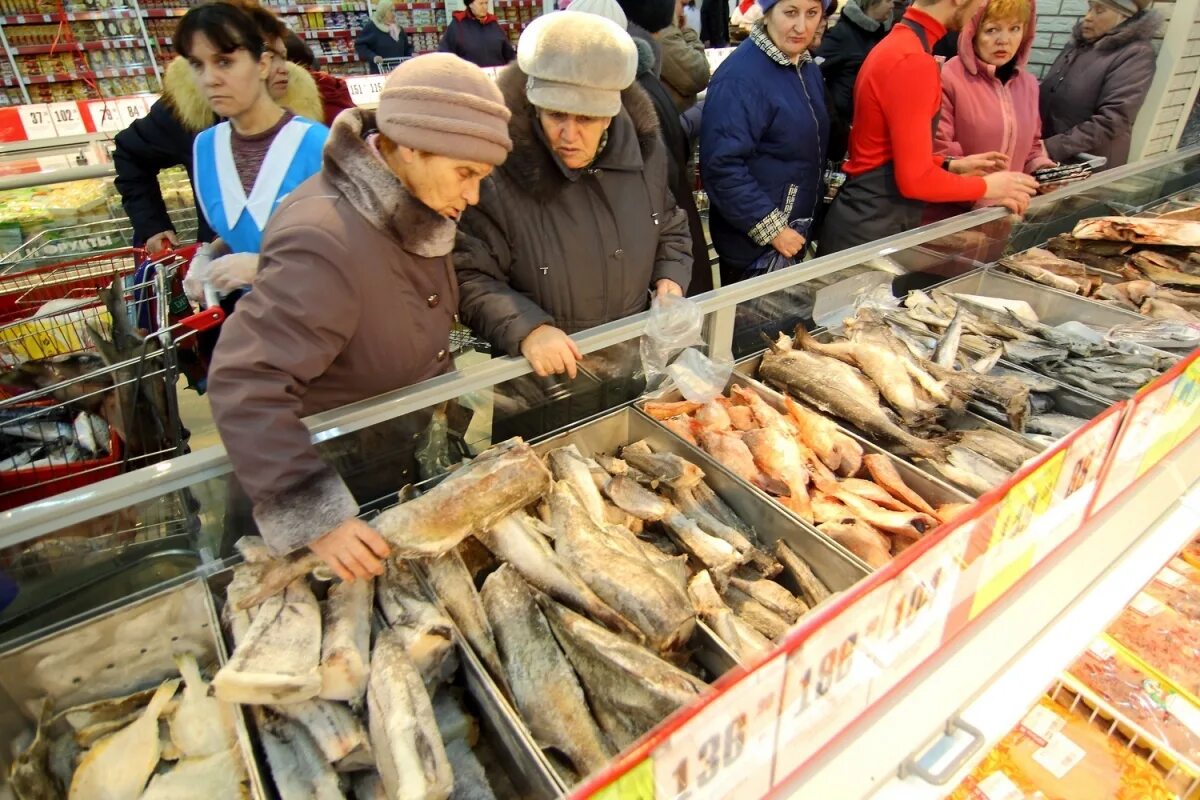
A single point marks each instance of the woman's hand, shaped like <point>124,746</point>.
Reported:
<point>788,243</point>
<point>666,286</point>
<point>352,550</point>
<point>232,272</point>
<point>550,351</point>
<point>161,241</point>
<point>979,164</point>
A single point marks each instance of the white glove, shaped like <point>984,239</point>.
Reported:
<point>235,271</point>
<point>198,272</point>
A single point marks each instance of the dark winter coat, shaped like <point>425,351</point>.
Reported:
<point>714,23</point>
<point>843,50</point>
<point>355,296</point>
<point>685,70</point>
<point>763,141</point>
<point>373,41</point>
<point>1091,96</point>
<point>163,139</point>
<point>483,42</point>
<point>547,245</point>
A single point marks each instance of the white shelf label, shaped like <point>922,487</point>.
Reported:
<point>1042,724</point>
<point>366,89</point>
<point>1101,650</point>
<point>998,786</point>
<point>1146,605</point>
<point>67,119</point>
<point>37,121</point>
<point>130,109</point>
<point>106,115</point>
<point>1059,756</point>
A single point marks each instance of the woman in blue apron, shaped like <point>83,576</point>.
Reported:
<point>247,164</point>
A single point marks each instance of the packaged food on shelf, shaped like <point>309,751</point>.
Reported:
<point>1177,591</point>
<point>1057,754</point>
<point>1163,639</point>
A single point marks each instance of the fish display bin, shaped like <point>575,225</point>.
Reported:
<point>113,655</point>
<point>1053,306</point>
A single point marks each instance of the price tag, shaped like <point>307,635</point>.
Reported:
<point>1169,577</point>
<point>365,90</point>
<point>1180,419</point>
<point>51,163</point>
<point>914,622</point>
<point>1102,649</point>
<point>1041,724</point>
<point>37,121</point>
<point>998,786</point>
<point>1146,605</point>
<point>130,109</point>
<point>827,683</point>
<point>1141,427</point>
<point>106,115</point>
<point>67,119</point>
<point>726,750</point>
<point>1059,756</point>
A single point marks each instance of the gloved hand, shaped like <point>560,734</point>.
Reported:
<point>198,272</point>
<point>236,271</point>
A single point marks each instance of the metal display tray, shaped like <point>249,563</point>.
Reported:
<point>112,655</point>
<point>835,566</point>
<point>1053,306</point>
<point>524,765</point>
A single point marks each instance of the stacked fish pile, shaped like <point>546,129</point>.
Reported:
<point>50,438</point>
<point>1151,266</point>
<point>811,467</point>
<point>146,745</point>
<point>1071,353</point>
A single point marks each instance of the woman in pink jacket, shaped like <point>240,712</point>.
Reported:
<point>989,99</point>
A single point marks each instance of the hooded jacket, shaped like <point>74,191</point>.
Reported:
<point>163,139</point>
<point>355,296</point>
<point>685,71</point>
<point>982,112</point>
<point>548,245</point>
<point>843,51</point>
<point>1092,93</point>
<point>481,41</point>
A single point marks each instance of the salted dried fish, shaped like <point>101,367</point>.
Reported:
<point>30,776</point>
<point>456,589</point>
<point>667,468</point>
<point>909,524</point>
<point>732,451</point>
<point>298,769</point>
<point>761,618</point>
<point>837,450</point>
<point>202,725</point>
<point>738,635</point>
<point>630,688</point>
<point>567,464</point>
<point>664,411</point>
<point>1056,425</point>
<point>426,632</point>
<point>335,730</point>
<point>118,767</point>
<point>1003,450</point>
<point>409,753</point>
<point>279,659</point>
<point>452,721</point>
<point>112,709</point>
<point>516,541</point>
<point>772,596</point>
<point>815,591</point>
<point>1140,230</point>
<point>547,693</point>
<point>1165,309</point>
<point>702,514</point>
<point>346,640</point>
<point>470,779</point>
<point>217,775</point>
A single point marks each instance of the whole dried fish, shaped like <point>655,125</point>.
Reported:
<point>667,468</point>
<point>701,514</point>
<point>279,659</point>
<point>426,632</point>
<point>1003,450</point>
<point>547,693</point>
<point>298,769</point>
<point>409,753</point>
<point>335,730</point>
<point>470,780</point>
<point>815,591</point>
<point>118,767</point>
<point>884,473</point>
<point>860,539</point>
<point>630,688</point>
<point>732,451</point>
<point>911,524</point>
<point>30,775</point>
<point>516,541</point>
<point>455,588</point>
<point>217,775</point>
<point>201,725</point>
<point>1165,309</point>
<point>738,635</point>
<point>567,464</point>
<point>772,596</point>
<point>761,618</point>
<point>1056,425</point>
<point>346,641</point>
<point>113,709</point>
<point>837,450</point>
<point>1139,230</point>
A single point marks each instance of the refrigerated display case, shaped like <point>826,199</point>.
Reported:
<point>895,687</point>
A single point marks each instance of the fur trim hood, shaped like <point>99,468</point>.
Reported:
<point>353,168</point>
<point>192,110</point>
<point>854,14</point>
<point>1138,28</point>
<point>532,165</point>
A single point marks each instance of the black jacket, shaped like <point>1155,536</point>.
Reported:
<point>482,43</point>
<point>714,23</point>
<point>372,41</point>
<point>843,50</point>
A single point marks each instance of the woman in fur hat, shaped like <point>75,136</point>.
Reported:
<point>1091,96</point>
<point>356,296</point>
<point>163,138</point>
<point>579,226</point>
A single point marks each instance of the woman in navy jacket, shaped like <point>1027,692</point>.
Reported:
<point>763,139</point>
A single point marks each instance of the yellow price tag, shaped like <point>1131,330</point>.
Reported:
<point>1179,420</point>
<point>637,784</point>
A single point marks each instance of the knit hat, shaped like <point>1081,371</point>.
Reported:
<point>1127,8</point>
<point>609,9</point>
<point>577,63</point>
<point>438,103</point>
<point>653,15</point>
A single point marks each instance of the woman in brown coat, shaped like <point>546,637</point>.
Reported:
<point>355,296</point>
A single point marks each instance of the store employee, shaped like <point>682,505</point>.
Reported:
<point>893,170</point>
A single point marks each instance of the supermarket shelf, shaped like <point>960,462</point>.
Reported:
<point>9,82</point>
<point>326,9</point>
<point>69,16</point>
<point>126,43</point>
<point>165,41</point>
<point>63,77</point>
<point>162,13</point>
<point>56,176</point>
<point>334,33</point>
<point>336,59</point>
<point>426,29</point>
<point>1068,600</point>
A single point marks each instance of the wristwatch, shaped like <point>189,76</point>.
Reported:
<point>946,162</point>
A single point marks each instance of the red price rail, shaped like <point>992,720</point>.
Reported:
<point>104,44</point>
<point>321,8</point>
<point>332,33</point>
<point>68,16</point>
<point>62,77</point>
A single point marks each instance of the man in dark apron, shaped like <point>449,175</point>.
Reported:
<point>893,171</point>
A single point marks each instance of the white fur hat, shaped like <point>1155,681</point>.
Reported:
<point>577,63</point>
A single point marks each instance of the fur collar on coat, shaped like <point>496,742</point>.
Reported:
<point>531,163</point>
<point>367,184</point>
<point>1142,27</point>
<point>189,106</point>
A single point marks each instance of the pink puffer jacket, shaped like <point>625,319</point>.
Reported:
<point>981,113</point>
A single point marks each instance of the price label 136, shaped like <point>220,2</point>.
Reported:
<point>727,749</point>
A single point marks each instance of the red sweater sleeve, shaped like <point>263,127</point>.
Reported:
<point>914,84</point>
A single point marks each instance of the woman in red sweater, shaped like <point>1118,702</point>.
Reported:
<point>335,94</point>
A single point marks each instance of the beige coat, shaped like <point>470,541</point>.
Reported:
<point>355,296</point>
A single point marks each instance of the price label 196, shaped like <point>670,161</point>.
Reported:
<point>827,683</point>
<point>38,121</point>
<point>67,119</point>
<point>727,749</point>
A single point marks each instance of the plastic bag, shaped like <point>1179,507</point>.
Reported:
<point>668,351</point>
<point>773,260</point>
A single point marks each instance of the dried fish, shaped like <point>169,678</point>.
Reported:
<point>739,636</point>
<point>667,468</point>
<point>1006,451</point>
<point>217,775</point>
<point>837,450</point>
<point>1140,230</point>
<point>567,464</point>
<point>1056,425</point>
<point>298,769</point>
<point>761,618</point>
<point>815,591</point>
<point>454,587</point>
<point>30,776</point>
<point>201,725</point>
<point>427,633</point>
<point>346,641</point>
<point>860,539</point>
<point>335,730</point>
<point>470,780</point>
<point>884,473</point>
<point>772,596</point>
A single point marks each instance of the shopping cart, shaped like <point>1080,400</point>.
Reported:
<point>85,394</point>
<point>386,65</point>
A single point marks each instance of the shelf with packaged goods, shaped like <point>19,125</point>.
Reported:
<point>337,59</point>
<point>335,33</point>
<point>67,16</point>
<point>163,13</point>
<point>64,77</point>
<point>320,8</point>
<point>425,29</point>
<point>124,43</point>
